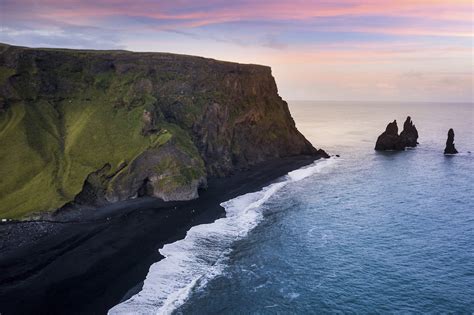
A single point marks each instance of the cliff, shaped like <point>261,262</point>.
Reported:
<point>91,127</point>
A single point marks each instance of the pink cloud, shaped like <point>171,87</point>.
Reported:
<point>195,13</point>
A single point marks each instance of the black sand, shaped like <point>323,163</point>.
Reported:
<point>89,262</point>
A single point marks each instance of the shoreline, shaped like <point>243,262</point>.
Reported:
<point>87,266</point>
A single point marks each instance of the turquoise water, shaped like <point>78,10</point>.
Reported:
<point>368,232</point>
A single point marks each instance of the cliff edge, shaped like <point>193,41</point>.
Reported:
<point>93,127</point>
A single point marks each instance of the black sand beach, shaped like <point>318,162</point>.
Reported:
<point>90,262</point>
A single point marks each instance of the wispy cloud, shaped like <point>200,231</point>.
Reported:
<point>192,14</point>
<point>335,39</point>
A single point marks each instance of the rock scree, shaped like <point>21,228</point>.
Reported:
<point>390,140</point>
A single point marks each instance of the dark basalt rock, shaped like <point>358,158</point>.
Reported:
<point>321,153</point>
<point>409,135</point>
<point>389,140</point>
<point>450,148</point>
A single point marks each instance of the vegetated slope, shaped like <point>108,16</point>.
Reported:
<point>103,126</point>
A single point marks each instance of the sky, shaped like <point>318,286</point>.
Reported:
<point>373,50</point>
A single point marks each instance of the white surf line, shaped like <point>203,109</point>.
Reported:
<point>201,255</point>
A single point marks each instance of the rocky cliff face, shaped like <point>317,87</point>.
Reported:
<point>103,126</point>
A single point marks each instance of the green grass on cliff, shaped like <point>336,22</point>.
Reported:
<point>69,113</point>
<point>26,179</point>
<point>5,73</point>
<point>50,147</point>
<point>52,150</point>
<point>175,174</point>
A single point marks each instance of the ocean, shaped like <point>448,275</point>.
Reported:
<point>366,232</point>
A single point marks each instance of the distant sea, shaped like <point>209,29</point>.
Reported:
<point>367,232</point>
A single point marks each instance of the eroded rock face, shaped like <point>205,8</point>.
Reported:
<point>112,125</point>
<point>409,134</point>
<point>450,148</point>
<point>167,172</point>
<point>149,123</point>
<point>390,140</point>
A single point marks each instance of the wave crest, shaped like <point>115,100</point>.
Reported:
<point>201,255</point>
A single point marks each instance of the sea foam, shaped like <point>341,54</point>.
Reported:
<point>201,255</point>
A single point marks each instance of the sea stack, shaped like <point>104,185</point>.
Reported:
<point>409,135</point>
<point>389,140</point>
<point>450,148</point>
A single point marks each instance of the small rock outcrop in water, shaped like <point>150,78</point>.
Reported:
<point>450,148</point>
<point>409,134</point>
<point>389,140</point>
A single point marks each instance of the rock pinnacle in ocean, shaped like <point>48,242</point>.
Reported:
<point>409,134</point>
<point>450,148</point>
<point>389,140</point>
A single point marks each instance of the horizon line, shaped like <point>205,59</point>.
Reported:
<point>378,101</point>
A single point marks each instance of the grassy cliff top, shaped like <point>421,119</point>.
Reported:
<point>104,121</point>
<point>145,55</point>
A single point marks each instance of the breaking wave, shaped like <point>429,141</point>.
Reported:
<point>202,254</point>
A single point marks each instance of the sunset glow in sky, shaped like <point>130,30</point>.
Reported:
<point>418,50</point>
